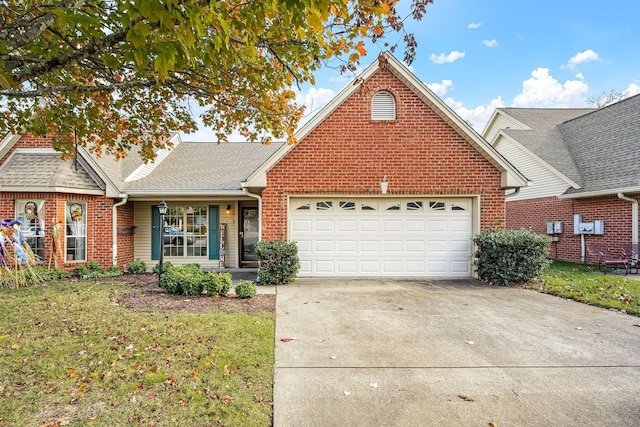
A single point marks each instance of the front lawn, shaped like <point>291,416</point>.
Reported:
<point>584,283</point>
<point>72,354</point>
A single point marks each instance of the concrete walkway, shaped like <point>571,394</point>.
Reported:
<point>450,353</point>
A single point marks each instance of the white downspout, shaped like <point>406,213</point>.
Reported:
<point>114,227</point>
<point>634,216</point>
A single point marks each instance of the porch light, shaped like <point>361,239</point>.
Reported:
<point>228,209</point>
<point>162,210</point>
<point>384,185</point>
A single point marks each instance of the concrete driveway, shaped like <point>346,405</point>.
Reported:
<point>450,353</point>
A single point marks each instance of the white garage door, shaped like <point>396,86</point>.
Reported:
<point>416,237</point>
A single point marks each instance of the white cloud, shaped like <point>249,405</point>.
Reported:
<point>490,43</point>
<point>314,99</point>
<point>478,116</point>
<point>452,56</point>
<point>632,89</point>
<point>441,88</point>
<point>580,76</point>
<point>582,57</point>
<point>543,90</point>
<point>474,25</point>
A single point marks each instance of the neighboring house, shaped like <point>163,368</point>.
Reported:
<point>386,180</point>
<point>580,162</point>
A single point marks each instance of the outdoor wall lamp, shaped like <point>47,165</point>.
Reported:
<point>384,185</point>
<point>228,209</point>
<point>162,210</point>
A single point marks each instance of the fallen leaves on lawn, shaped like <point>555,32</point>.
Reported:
<point>465,398</point>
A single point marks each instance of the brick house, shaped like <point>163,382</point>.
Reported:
<point>580,162</point>
<point>385,180</point>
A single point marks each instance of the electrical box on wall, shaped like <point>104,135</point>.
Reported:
<point>577,219</point>
<point>593,227</point>
<point>554,227</point>
<point>598,227</point>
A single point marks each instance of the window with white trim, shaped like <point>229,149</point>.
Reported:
<point>76,226</point>
<point>383,106</point>
<point>31,214</point>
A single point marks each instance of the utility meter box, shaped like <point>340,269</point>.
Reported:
<point>554,227</point>
<point>593,227</point>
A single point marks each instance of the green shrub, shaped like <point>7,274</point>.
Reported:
<point>113,271</point>
<point>245,289</point>
<point>188,279</point>
<point>90,269</point>
<point>225,283</point>
<point>217,283</point>
<point>51,273</point>
<point>510,256</point>
<point>165,266</point>
<point>136,267</point>
<point>279,262</point>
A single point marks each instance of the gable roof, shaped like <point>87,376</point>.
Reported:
<point>511,177</point>
<point>193,168</point>
<point>536,129</point>
<point>597,149</point>
<point>42,170</point>
<point>605,145</point>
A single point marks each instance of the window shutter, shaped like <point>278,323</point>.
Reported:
<point>383,106</point>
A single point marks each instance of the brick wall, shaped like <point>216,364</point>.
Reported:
<point>419,153</point>
<point>535,213</point>
<point>99,218</point>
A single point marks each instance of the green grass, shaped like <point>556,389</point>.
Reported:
<point>70,355</point>
<point>584,283</point>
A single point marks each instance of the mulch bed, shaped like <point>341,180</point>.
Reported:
<point>145,295</point>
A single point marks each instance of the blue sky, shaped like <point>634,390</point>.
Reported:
<point>480,55</point>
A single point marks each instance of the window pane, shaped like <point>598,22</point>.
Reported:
<point>76,226</point>
<point>31,214</point>
<point>324,205</point>
<point>437,206</point>
<point>185,232</point>
<point>196,231</point>
<point>348,206</point>
<point>173,231</point>
<point>414,206</point>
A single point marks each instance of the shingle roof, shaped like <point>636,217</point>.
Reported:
<point>606,146</point>
<point>597,148</point>
<point>544,138</point>
<point>35,170</point>
<point>202,166</point>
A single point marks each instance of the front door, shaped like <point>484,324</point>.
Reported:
<point>249,234</point>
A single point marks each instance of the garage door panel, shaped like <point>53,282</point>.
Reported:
<point>372,246</point>
<point>460,226</point>
<point>369,226</point>
<point>460,246</point>
<point>392,247</point>
<point>301,225</point>
<point>324,226</point>
<point>404,241</point>
<point>347,246</point>
<point>461,267</point>
<point>347,267</point>
<point>415,226</point>
<point>347,226</point>
<point>370,267</point>
<point>437,226</point>
<point>324,246</point>
<point>324,266</point>
<point>415,246</point>
<point>392,266</point>
<point>438,247</point>
<point>389,225</point>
